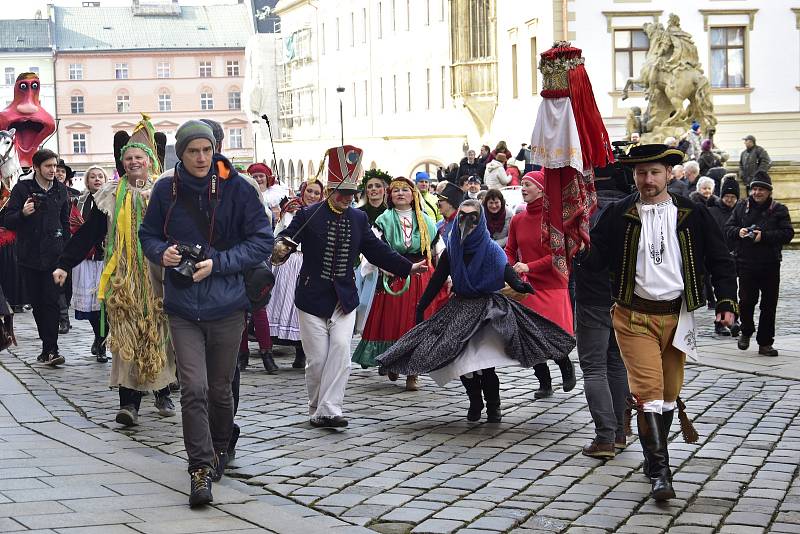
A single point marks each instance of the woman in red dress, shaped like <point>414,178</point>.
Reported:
<point>528,251</point>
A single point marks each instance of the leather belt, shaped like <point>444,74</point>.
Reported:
<point>656,307</point>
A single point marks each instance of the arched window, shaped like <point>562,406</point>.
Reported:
<point>311,173</point>
<point>429,166</point>
<point>373,166</point>
<point>300,175</point>
<point>281,170</point>
<point>290,173</point>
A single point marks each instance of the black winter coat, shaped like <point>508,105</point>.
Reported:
<point>772,218</point>
<point>40,236</point>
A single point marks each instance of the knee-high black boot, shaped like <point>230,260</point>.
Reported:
<point>490,384</point>
<point>666,418</point>
<point>654,446</point>
<point>473,387</point>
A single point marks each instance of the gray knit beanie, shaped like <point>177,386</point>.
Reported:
<point>188,132</point>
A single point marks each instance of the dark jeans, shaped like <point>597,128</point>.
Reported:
<point>605,381</point>
<point>205,352</point>
<point>43,296</point>
<point>765,281</point>
<point>132,397</point>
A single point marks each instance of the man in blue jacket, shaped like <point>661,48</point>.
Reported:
<point>207,204</point>
<point>333,235</point>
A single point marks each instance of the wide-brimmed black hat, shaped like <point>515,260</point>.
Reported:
<point>452,194</point>
<point>652,154</point>
<point>67,168</point>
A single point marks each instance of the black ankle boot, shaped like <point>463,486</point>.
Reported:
<point>269,364</point>
<point>473,387</point>
<point>567,373</point>
<point>653,437</point>
<point>491,393</point>
<point>244,360</point>
<point>100,355</point>
<point>299,358</point>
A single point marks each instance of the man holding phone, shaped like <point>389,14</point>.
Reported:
<point>38,210</point>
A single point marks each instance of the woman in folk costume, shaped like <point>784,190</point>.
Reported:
<point>410,232</point>
<point>86,275</point>
<point>531,256</point>
<point>283,319</point>
<point>479,329</point>
<point>374,184</point>
<point>129,290</point>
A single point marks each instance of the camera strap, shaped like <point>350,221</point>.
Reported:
<point>199,217</point>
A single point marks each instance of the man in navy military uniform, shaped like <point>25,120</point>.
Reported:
<point>333,234</point>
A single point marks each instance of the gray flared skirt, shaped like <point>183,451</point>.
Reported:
<point>527,337</point>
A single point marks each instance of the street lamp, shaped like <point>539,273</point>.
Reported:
<point>340,90</point>
<point>255,141</point>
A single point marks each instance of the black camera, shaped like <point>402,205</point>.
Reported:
<point>751,231</point>
<point>191,255</point>
<point>38,199</point>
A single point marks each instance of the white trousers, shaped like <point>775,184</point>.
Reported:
<point>326,342</point>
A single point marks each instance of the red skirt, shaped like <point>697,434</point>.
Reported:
<point>391,317</point>
<point>554,305</point>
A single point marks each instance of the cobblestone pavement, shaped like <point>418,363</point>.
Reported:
<point>411,462</point>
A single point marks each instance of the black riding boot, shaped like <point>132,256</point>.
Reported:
<point>473,387</point>
<point>491,392</point>
<point>666,418</point>
<point>653,437</point>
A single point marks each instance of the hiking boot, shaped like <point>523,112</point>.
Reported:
<point>412,384</point>
<point>598,449</point>
<point>165,406</point>
<point>127,415</point>
<point>200,480</point>
<point>269,364</point>
<point>620,442</point>
<point>744,342</point>
<point>299,358</point>
<point>767,350</point>
<point>219,469</point>
<point>54,358</point>
<point>543,392</point>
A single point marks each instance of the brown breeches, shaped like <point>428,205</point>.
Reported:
<point>655,367</point>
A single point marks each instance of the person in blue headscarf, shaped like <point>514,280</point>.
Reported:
<point>480,328</point>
